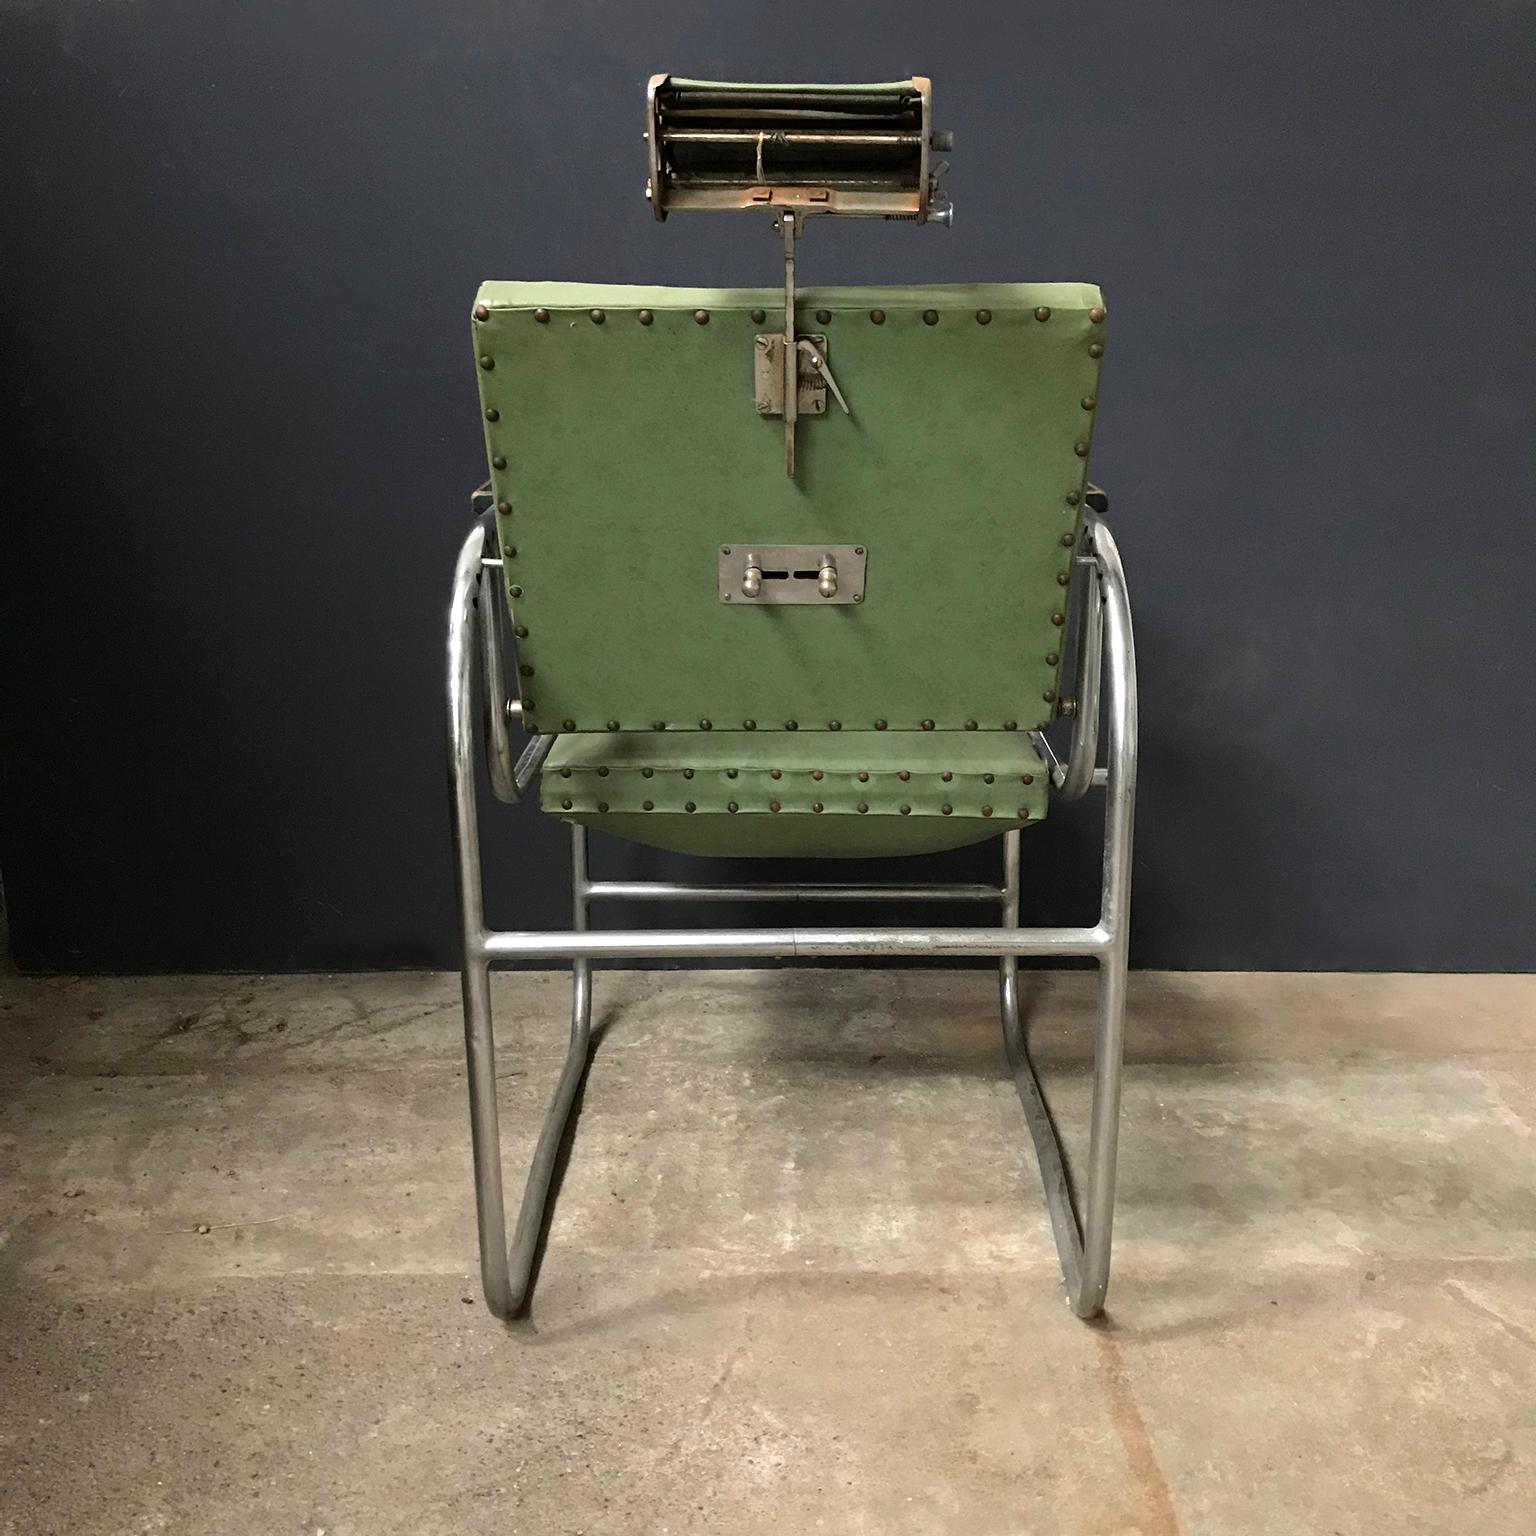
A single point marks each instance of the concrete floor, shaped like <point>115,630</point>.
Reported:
<point>800,1277</point>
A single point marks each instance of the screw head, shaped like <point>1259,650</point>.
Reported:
<point>481,312</point>
<point>487,361</point>
<point>647,773</point>
<point>863,778</point>
<point>596,316</point>
<point>731,773</point>
<point>732,807</point>
<point>834,725</point>
<point>516,592</point>
<point>946,809</point>
<point>565,804</point>
<point>1010,725</point>
<point>818,807</point>
<point>1073,497</point>
<point>1088,402</point>
<point>989,778</point>
<point>687,773</point>
<point>1067,541</point>
<point>1096,349</point>
<point>758,316</point>
<point>1043,313</point>
<point>1096,314</point>
<point>863,808</point>
<point>983,317</point>
<point>791,725</point>
<point>906,810</point>
<point>970,725</point>
<point>542,316</point>
<point>602,805</point>
<point>701,316</point>
<point>504,508</point>
<point>647,805</point>
<point>858,597</point>
<point>1049,695</point>
<point>689,806</point>
<point>645,317</point>
<point>986,810</point>
<point>878,316</point>
<point>1058,619</point>
<point>1063,579</point>
<point>613,725</point>
<point>749,725</point>
<point>927,725</point>
<point>930,317</point>
<point>1023,813</point>
<point>773,805</point>
<point>903,775</point>
<point>1051,658</point>
<point>704,725</point>
<point>1027,778</point>
<point>817,774</point>
<point>823,317</point>
<point>1080,449</point>
<point>492,414</point>
<point>879,725</point>
<point>499,461</point>
<point>947,776</point>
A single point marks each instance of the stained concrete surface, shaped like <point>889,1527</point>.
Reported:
<point>800,1277</point>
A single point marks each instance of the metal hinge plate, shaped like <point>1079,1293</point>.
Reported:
<point>822,574</point>
<point>768,376</point>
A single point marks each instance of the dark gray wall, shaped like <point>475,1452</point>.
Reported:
<point>240,410</point>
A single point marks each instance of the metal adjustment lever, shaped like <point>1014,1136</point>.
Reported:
<point>819,363</point>
<point>826,579</point>
<point>752,578</point>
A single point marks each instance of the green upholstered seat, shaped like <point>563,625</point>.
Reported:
<point>626,452</point>
<point>810,793</point>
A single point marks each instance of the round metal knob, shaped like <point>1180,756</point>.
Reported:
<point>752,578</point>
<point>826,582</point>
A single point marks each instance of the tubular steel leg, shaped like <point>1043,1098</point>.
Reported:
<point>1084,1243</point>
<point>504,1275</point>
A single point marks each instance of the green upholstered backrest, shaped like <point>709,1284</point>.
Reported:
<point>626,450</point>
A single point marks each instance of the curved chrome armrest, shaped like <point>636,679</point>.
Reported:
<point>511,772</point>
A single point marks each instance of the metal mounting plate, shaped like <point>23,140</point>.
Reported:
<point>789,573</point>
<point>768,377</point>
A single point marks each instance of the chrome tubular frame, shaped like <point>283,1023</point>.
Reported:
<point>1082,1231</point>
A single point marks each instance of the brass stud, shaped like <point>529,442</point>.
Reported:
<point>509,551</point>
<point>732,807</point>
<point>930,317</point>
<point>1027,778</point>
<point>946,809</point>
<point>688,805</point>
<point>481,312</point>
<point>986,810</point>
<point>1080,449</point>
<point>602,773</point>
<point>645,317</point>
<point>1096,314</point>
<point>834,725</point>
<point>525,670</point>
<point>878,316</point>
<point>613,725</point>
<point>749,725</point>
<point>758,316</point>
<point>863,778</point>
<point>658,725</point>
<point>791,725</point>
<point>542,316</point>
<point>515,591</point>
<point>487,361</point>
<point>906,810</point>
<point>970,725</point>
<point>1058,619</point>
<point>775,773</point>
<point>499,461</point>
<point>647,805</point>
<point>701,317</point>
<point>1043,313</point>
<point>504,508</point>
<point>492,414</point>
<point>1023,813</point>
<point>983,317</point>
<point>988,778</point>
<point>521,631</point>
<point>647,773</point>
<point>565,804</point>
<point>879,725</point>
<point>903,775</point>
<point>823,317</point>
<point>1049,695</point>
<point>863,808</point>
<point>773,805</point>
<point>602,805</point>
<point>730,773</point>
<point>1010,725</point>
<point>1052,658</point>
<point>927,725</point>
<point>704,725</point>
<point>818,807</point>
<point>1073,497</point>
<point>1063,579</point>
<point>1067,541</point>
<point>565,773</point>
<point>817,774</point>
<point>1096,349</point>
<point>947,776</point>
<point>596,316</point>
<point>687,773</point>
<point>1088,402</point>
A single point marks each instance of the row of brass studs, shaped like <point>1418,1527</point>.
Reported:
<point>774,805</point>
<point>751,725</point>
<point>817,774</point>
<point>823,317</point>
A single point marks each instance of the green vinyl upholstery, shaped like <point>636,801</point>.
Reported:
<point>626,450</point>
